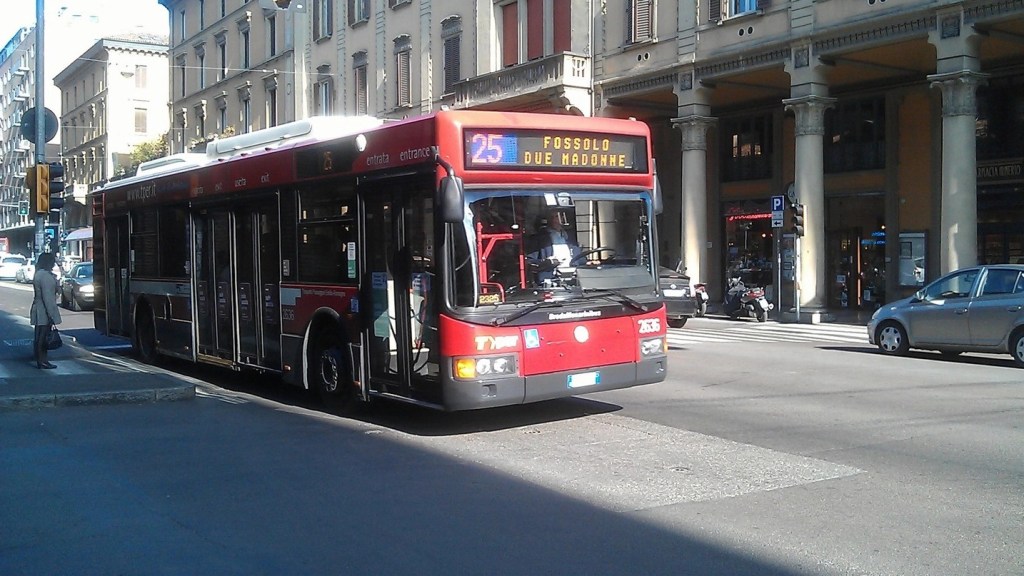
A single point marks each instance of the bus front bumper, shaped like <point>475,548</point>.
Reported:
<point>472,395</point>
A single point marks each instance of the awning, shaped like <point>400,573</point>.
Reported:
<point>80,234</point>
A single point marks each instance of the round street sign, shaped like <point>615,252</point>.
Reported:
<point>28,125</point>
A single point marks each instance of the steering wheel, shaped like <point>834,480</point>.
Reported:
<point>583,255</point>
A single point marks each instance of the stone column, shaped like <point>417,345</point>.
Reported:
<point>810,191</point>
<point>694,213</point>
<point>958,228</point>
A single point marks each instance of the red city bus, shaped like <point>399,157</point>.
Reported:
<point>412,260</point>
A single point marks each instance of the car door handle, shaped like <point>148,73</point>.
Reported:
<point>960,311</point>
<point>1013,309</point>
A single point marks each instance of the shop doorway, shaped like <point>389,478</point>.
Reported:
<point>855,241</point>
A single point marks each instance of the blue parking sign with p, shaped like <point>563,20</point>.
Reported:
<point>778,203</point>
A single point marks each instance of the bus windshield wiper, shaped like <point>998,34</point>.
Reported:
<point>524,311</point>
<point>615,294</point>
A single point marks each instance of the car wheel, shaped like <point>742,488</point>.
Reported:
<point>1017,348</point>
<point>75,304</point>
<point>892,339</point>
<point>677,322</point>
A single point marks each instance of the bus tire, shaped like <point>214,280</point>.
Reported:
<point>144,336</point>
<point>329,373</point>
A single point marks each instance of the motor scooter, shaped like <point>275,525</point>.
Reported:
<point>700,297</point>
<point>742,301</point>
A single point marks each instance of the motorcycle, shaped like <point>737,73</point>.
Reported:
<point>700,296</point>
<point>746,302</point>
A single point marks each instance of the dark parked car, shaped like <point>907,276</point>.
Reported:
<point>680,304</point>
<point>76,289</point>
<point>977,309</point>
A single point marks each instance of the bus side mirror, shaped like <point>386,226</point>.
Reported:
<point>450,199</point>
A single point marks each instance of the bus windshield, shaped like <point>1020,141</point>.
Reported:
<point>524,246</point>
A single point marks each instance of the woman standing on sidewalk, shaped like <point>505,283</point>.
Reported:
<point>44,306</point>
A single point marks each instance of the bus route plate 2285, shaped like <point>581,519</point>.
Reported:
<point>584,379</point>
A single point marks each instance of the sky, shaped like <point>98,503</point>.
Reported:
<point>123,13</point>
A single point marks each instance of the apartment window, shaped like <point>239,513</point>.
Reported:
<point>397,3</point>
<point>747,148</point>
<point>719,9</point>
<point>200,124</point>
<point>222,55</point>
<point>244,38</point>
<point>201,69</point>
<point>222,118</point>
<point>181,21</point>
<point>531,25</point>
<point>855,135</point>
<point>358,11</point>
<point>451,35</point>
<point>322,90</point>
<point>641,20</point>
<point>403,71</point>
<point>271,36</point>
<point>202,14</point>
<point>359,73</point>
<point>245,115</point>
<point>323,18</point>
<point>140,76</point>
<point>223,7</point>
<point>182,70</point>
<point>271,107</point>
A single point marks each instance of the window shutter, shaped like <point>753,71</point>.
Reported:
<point>452,63</point>
<point>509,35</point>
<point>361,90</point>
<point>763,4</point>
<point>404,97</point>
<point>351,12</point>
<point>714,10</point>
<point>642,20</point>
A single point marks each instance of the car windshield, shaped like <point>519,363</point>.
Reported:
<point>83,271</point>
<point>13,260</point>
<point>529,245</point>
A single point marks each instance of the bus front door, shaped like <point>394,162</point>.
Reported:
<point>397,298</point>
<point>119,310</point>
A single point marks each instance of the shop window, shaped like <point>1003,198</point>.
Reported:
<point>855,136</point>
<point>747,148</point>
<point>1000,124</point>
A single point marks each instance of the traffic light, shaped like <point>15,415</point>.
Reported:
<point>797,220</point>
<point>54,182</point>
<point>38,192</point>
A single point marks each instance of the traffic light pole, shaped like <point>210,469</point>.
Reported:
<point>40,145</point>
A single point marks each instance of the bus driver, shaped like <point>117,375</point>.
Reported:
<point>554,247</point>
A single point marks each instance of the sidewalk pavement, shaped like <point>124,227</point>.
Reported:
<point>81,378</point>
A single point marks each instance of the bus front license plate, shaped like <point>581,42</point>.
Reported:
<point>584,380</point>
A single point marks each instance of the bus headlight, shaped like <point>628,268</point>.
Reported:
<point>652,346</point>
<point>485,367</point>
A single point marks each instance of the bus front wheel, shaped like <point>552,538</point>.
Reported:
<point>329,373</point>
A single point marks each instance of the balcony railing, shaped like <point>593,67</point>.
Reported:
<point>555,72</point>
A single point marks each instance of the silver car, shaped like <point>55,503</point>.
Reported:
<point>978,309</point>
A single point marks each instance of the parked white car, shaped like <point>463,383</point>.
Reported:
<point>9,265</point>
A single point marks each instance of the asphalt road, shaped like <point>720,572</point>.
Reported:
<point>780,455</point>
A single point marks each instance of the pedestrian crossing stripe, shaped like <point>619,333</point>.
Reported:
<point>813,333</point>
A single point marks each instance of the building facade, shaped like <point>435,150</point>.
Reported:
<point>17,80</point>
<point>113,98</point>
<point>897,124</point>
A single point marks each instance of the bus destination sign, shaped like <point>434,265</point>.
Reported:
<point>547,150</point>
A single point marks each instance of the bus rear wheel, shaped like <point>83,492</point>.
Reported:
<point>144,341</point>
<point>329,373</point>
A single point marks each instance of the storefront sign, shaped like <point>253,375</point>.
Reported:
<point>1003,171</point>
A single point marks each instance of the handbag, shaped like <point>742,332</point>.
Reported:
<point>53,340</point>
